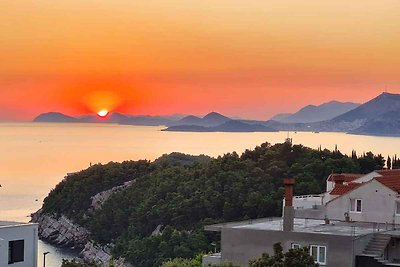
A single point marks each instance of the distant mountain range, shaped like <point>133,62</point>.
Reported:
<point>210,120</point>
<point>115,117</point>
<point>313,113</point>
<point>228,126</point>
<point>379,116</point>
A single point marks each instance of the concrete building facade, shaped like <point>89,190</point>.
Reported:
<point>18,244</point>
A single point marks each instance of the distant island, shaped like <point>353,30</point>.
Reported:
<point>311,113</point>
<point>212,122</point>
<point>379,116</point>
<point>115,117</point>
<point>229,126</point>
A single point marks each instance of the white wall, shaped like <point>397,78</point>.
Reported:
<point>378,204</point>
<point>329,185</point>
<point>27,232</point>
<point>306,202</point>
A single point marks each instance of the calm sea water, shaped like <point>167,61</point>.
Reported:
<point>34,157</point>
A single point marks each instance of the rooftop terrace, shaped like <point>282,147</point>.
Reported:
<point>306,226</point>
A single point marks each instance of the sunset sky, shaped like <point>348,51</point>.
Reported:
<point>242,58</point>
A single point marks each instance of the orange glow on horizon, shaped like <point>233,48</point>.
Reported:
<point>250,59</point>
<point>102,101</point>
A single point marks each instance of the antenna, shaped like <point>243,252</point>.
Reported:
<point>288,140</point>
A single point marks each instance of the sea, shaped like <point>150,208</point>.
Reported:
<point>35,157</point>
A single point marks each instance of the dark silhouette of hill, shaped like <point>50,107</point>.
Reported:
<point>55,117</point>
<point>210,120</point>
<point>312,113</point>
<point>115,117</point>
<point>379,116</point>
<point>229,126</point>
<point>280,116</point>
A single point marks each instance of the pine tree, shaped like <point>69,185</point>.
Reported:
<point>389,163</point>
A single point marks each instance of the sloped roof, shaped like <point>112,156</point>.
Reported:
<point>347,177</point>
<point>391,181</point>
<point>341,189</point>
<point>389,172</point>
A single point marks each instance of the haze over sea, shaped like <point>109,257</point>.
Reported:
<point>36,156</point>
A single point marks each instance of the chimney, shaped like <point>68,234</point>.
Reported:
<point>339,179</point>
<point>288,210</point>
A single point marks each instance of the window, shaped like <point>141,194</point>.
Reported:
<point>295,246</point>
<point>397,207</point>
<point>318,253</point>
<point>15,251</point>
<point>355,205</point>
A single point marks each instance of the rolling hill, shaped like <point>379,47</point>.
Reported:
<point>115,117</point>
<point>313,113</point>
<point>378,116</point>
<point>210,120</point>
<point>55,117</point>
<point>229,126</point>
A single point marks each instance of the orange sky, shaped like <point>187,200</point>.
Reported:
<point>244,58</point>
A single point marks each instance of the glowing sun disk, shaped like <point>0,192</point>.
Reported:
<point>102,113</point>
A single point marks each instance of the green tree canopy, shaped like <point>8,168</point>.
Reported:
<point>180,194</point>
<point>293,258</point>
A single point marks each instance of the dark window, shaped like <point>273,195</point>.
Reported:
<point>15,251</point>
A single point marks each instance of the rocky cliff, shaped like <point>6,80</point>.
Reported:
<point>99,199</point>
<point>60,231</point>
<point>63,232</point>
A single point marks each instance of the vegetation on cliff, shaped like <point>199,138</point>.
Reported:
<point>181,198</point>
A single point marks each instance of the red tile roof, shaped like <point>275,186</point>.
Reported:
<point>389,172</point>
<point>341,189</point>
<point>391,181</point>
<point>347,177</point>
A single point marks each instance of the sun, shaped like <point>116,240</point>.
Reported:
<point>102,113</point>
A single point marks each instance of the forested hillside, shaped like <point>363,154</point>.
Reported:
<point>180,198</point>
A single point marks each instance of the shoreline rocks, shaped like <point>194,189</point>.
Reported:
<point>61,231</point>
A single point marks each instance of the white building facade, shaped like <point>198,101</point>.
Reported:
<point>18,244</point>
<point>370,202</point>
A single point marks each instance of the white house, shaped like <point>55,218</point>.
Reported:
<point>377,200</point>
<point>338,185</point>
<point>18,244</point>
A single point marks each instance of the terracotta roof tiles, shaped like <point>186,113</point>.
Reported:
<point>341,189</point>
<point>347,177</point>
<point>389,172</point>
<point>391,181</point>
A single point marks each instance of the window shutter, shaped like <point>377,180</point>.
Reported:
<point>16,251</point>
